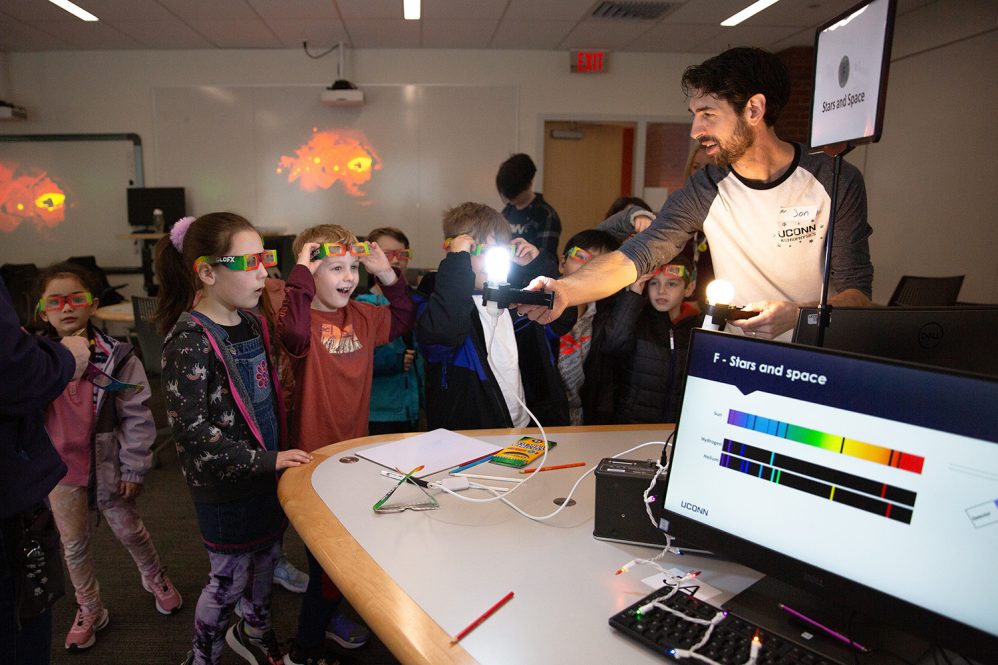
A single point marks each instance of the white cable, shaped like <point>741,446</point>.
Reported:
<point>544,455</point>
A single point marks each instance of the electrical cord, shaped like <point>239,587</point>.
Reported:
<point>304,45</point>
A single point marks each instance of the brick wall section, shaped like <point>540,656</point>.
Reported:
<point>795,120</point>
<point>668,147</point>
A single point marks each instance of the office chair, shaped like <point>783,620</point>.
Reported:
<point>927,291</point>
<point>151,348</point>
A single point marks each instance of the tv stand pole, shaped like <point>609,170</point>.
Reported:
<point>146,240</point>
<point>824,309</point>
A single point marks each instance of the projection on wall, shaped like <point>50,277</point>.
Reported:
<point>29,195</point>
<point>334,156</point>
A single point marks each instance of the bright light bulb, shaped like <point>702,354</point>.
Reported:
<point>497,265</point>
<point>410,10</point>
<point>720,292</point>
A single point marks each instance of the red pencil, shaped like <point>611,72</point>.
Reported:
<point>474,624</point>
<point>556,466</point>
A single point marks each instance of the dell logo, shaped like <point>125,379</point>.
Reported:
<point>930,335</point>
<point>692,507</point>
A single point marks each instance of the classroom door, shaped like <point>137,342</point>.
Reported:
<point>586,167</point>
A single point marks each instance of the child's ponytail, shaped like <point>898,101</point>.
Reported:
<point>208,235</point>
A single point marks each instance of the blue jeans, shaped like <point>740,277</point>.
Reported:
<point>318,605</point>
<point>31,643</point>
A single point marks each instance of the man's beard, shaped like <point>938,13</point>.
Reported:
<point>728,153</point>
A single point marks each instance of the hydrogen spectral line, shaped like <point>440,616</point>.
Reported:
<point>895,503</point>
<point>830,442</point>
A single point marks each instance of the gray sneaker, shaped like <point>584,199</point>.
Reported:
<point>290,577</point>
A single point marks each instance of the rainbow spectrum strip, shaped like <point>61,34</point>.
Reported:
<point>829,442</point>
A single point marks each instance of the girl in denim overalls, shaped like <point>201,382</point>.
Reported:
<point>227,416</point>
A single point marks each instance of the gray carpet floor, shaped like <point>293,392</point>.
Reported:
<point>137,633</point>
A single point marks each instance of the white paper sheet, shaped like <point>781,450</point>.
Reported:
<point>437,451</point>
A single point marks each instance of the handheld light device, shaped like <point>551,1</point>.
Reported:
<point>719,293</point>
<point>498,294</point>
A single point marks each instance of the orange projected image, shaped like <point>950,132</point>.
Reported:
<point>332,156</point>
<point>28,194</point>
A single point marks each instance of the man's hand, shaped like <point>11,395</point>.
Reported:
<point>293,457</point>
<point>540,313</point>
<point>305,257</point>
<point>775,317</point>
<point>129,491</point>
<point>523,252</point>
<point>407,359</point>
<point>80,348</point>
<point>378,265</point>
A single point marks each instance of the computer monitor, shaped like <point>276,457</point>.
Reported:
<point>866,488</point>
<point>960,338</point>
<point>144,201</point>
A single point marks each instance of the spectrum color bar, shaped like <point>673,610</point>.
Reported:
<point>895,503</point>
<point>830,442</point>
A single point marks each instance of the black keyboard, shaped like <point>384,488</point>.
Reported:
<point>729,643</point>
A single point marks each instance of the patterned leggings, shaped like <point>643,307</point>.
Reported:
<point>244,578</point>
<point>72,518</point>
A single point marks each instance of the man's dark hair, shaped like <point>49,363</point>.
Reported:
<point>593,240</point>
<point>739,73</point>
<point>515,175</point>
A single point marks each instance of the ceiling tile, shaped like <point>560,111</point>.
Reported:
<point>457,33</point>
<point>552,10</point>
<point>604,34</point>
<point>674,38</point>
<point>172,34</point>
<point>801,14</point>
<point>300,9</point>
<point>803,38</point>
<point>741,35</point>
<point>88,35</point>
<point>458,9</point>
<point>115,10</point>
<point>383,33</point>
<point>17,36</point>
<point>351,9</point>
<point>219,10</point>
<point>34,10</point>
<point>319,33</point>
<point>531,34</point>
<point>237,33</point>
<point>709,11</point>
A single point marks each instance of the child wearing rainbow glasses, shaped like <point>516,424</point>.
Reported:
<point>330,341</point>
<point>649,334</point>
<point>587,375</point>
<point>104,434</point>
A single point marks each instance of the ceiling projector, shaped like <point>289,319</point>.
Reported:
<point>342,93</point>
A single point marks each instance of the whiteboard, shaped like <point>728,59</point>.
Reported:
<point>65,198</point>
<point>426,148</point>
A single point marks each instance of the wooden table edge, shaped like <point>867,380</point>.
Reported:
<point>408,632</point>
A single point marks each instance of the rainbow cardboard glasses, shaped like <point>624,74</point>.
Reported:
<point>479,248</point>
<point>75,300</point>
<point>579,254</point>
<point>339,249</point>
<point>243,262</point>
<point>673,270</point>
<point>398,254</point>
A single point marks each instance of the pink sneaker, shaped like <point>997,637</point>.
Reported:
<point>168,600</point>
<point>81,634</point>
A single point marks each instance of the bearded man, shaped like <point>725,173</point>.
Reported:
<point>762,202</point>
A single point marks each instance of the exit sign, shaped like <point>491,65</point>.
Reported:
<point>589,62</point>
